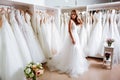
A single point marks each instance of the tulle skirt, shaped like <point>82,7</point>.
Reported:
<point>70,59</point>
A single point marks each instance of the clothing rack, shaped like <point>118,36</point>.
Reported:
<point>104,6</point>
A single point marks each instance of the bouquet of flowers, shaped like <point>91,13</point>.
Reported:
<point>33,70</point>
<point>110,41</point>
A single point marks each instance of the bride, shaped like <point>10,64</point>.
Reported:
<point>70,59</point>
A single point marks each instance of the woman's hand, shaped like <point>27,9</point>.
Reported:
<point>73,41</point>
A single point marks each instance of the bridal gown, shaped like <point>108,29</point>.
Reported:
<point>23,48</point>
<point>115,35</point>
<point>12,63</point>
<point>118,23</point>
<point>62,25</point>
<point>47,28</point>
<point>39,32</point>
<point>71,58</point>
<point>46,36</point>
<point>0,45</point>
<point>33,45</point>
<point>106,32</point>
<point>34,23</point>
<point>88,25</point>
<point>83,34</point>
<point>66,18</point>
<point>56,39</point>
<point>96,35</point>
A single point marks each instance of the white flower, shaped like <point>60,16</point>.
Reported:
<point>29,65</point>
<point>41,67</point>
<point>37,63</point>
<point>28,70</point>
<point>31,74</point>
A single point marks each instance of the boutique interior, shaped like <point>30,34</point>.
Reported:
<point>59,40</point>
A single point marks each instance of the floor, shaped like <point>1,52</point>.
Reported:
<point>95,72</point>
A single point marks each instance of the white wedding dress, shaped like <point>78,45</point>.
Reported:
<point>71,58</point>
<point>118,24</point>
<point>12,63</point>
<point>33,45</point>
<point>95,40</point>
<point>88,25</point>
<point>46,36</point>
<point>55,39</point>
<point>23,48</point>
<point>106,33</point>
<point>115,35</point>
<point>62,27</point>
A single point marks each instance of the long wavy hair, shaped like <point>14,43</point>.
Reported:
<point>76,20</point>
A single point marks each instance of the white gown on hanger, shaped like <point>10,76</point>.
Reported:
<point>12,63</point>
<point>96,36</point>
<point>56,40</point>
<point>47,28</point>
<point>66,21</point>
<point>35,50</point>
<point>115,35</point>
<point>118,23</point>
<point>0,44</point>
<point>88,25</point>
<point>44,32</point>
<point>106,33</point>
<point>38,27</point>
<point>71,58</point>
<point>34,23</point>
<point>83,38</point>
<point>61,27</point>
<point>23,48</point>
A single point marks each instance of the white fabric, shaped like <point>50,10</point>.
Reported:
<point>12,63</point>
<point>96,36</point>
<point>115,35</point>
<point>71,58</point>
<point>56,39</point>
<point>23,48</point>
<point>33,45</point>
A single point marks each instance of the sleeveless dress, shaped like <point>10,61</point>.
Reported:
<point>106,33</point>
<point>71,58</point>
<point>12,63</point>
<point>115,35</point>
<point>55,37</point>
<point>95,40</point>
<point>23,48</point>
<point>33,45</point>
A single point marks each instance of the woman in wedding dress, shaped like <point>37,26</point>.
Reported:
<point>71,58</point>
<point>12,64</point>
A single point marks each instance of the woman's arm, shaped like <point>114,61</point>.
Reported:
<point>70,32</point>
<point>80,21</point>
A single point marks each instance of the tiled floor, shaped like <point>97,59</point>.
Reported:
<point>95,72</point>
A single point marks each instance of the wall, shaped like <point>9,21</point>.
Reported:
<point>72,2</point>
<point>59,3</point>
<point>88,2</point>
<point>39,2</point>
